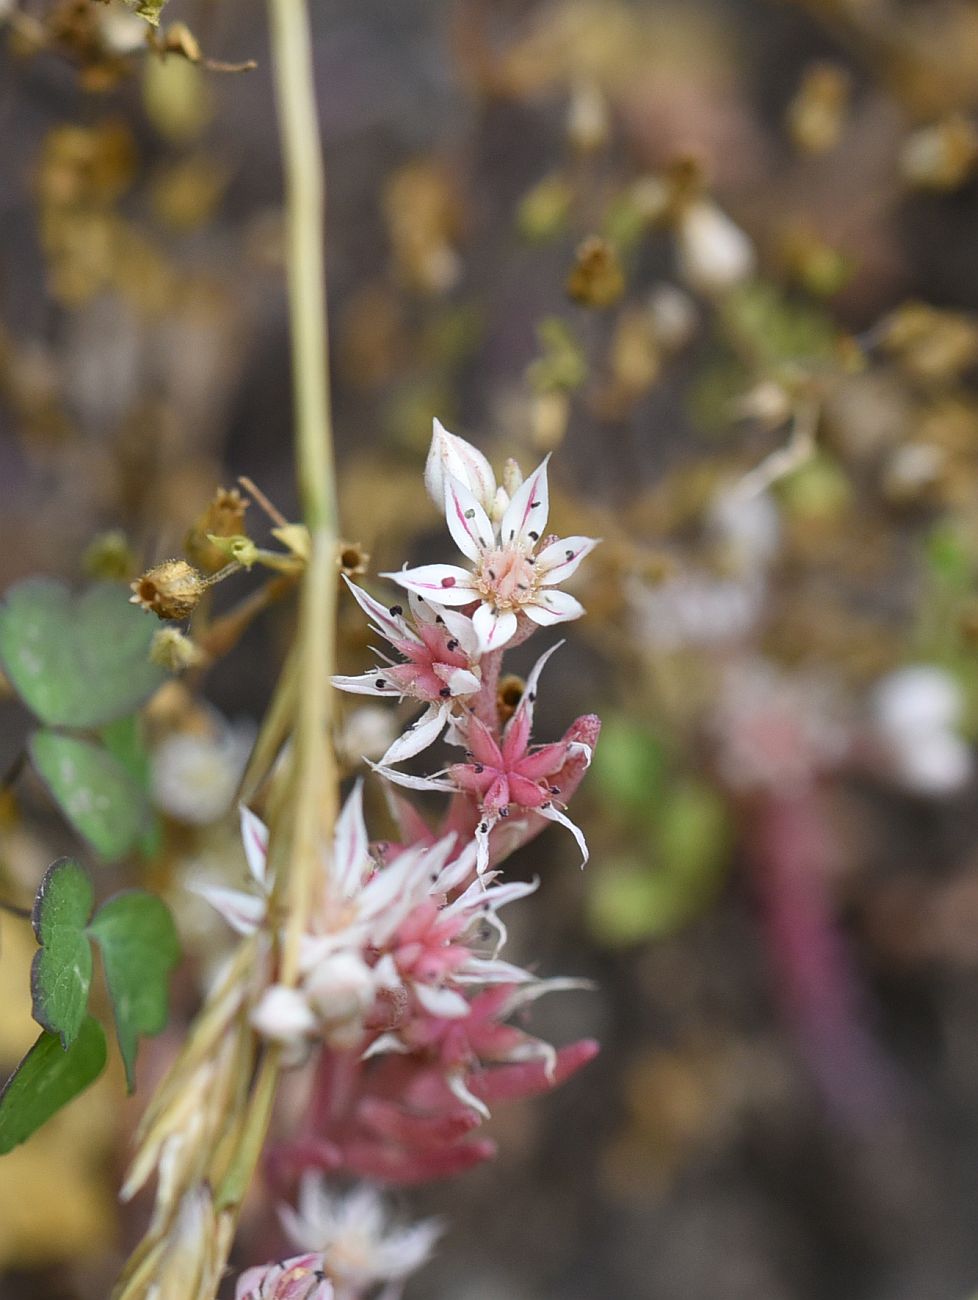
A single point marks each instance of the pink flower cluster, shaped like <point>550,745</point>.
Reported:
<point>403,995</point>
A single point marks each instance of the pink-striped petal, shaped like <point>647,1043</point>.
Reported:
<point>422,733</point>
<point>493,627</point>
<point>548,607</point>
<point>558,561</point>
<point>443,584</point>
<point>468,523</point>
<point>350,851</point>
<point>526,515</point>
<point>373,683</point>
<point>388,620</point>
<point>254,834</point>
<point>555,815</point>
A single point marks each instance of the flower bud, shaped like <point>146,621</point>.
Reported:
<point>941,156</point>
<point>340,990</point>
<point>174,651</point>
<point>449,454</point>
<point>224,517</point>
<point>282,1015</point>
<point>597,279</point>
<point>714,254</point>
<point>170,590</point>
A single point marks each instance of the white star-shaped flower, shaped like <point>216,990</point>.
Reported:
<point>516,568</point>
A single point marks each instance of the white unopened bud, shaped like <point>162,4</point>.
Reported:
<point>341,990</point>
<point>282,1015</point>
<point>714,253</point>
<point>449,454</point>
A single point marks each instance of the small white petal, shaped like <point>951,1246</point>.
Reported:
<point>558,561</point>
<point>461,682</point>
<point>525,519</point>
<point>450,454</point>
<point>391,626</point>
<point>443,584</point>
<point>385,1043</point>
<point>467,522</point>
<point>445,1004</point>
<point>529,697</point>
<point>494,627</point>
<point>460,627</point>
<point>555,815</point>
<point>550,607</point>
<point>254,833</point>
<point>244,913</point>
<point>366,684</point>
<point>456,1085</point>
<point>350,846</point>
<point>414,782</point>
<point>422,733</point>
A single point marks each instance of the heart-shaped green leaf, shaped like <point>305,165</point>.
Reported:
<point>47,1078</point>
<point>61,974</point>
<point>76,661</point>
<point>138,941</point>
<point>94,791</point>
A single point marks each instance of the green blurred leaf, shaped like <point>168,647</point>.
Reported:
<point>783,334</point>
<point>76,661</point>
<point>61,973</point>
<point>633,900</point>
<point>93,789</point>
<point>139,947</point>
<point>47,1078</point>
<point>629,765</point>
<point>694,835</point>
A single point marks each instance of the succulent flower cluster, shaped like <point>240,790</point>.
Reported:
<point>403,995</point>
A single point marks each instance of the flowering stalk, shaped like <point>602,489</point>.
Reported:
<point>190,1148</point>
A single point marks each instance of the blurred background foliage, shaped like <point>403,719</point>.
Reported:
<point>721,256</point>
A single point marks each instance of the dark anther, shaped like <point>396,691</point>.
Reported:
<point>445,692</point>
<point>534,505</point>
<point>452,645</point>
<point>569,555</point>
<point>554,789</point>
<point>397,610</point>
<point>504,812</point>
<point>492,574</point>
<point>535,536</point>
<point>480,767</point>
<point>380,683</point>
<point>532,696</point>
<point>483,828</point>
<point>547,804</point>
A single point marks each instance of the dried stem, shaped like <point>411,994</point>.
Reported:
<point>303,796</point>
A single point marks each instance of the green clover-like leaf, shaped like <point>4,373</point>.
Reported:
<point>93,790</point>
<point>61,974</point>
<point>47,1078</point>
<point>139,947</point>
<point>76,661</point>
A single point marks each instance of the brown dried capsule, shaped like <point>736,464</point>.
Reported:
<point>170,590</point>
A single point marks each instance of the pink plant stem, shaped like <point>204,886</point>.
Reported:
<point>791,851</point>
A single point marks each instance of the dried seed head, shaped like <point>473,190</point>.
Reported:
<point>170,590</point>
<point>224,517</point>
<point>352,559</point>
